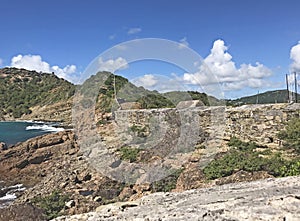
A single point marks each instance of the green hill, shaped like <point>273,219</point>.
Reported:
<point>269,97</point>
<point>21,89</point>
<point>124,92</point>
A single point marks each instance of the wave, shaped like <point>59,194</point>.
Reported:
<point>45,128</point>
<point>8,197</point>
<point>10,192</point>
<point>32,121</point>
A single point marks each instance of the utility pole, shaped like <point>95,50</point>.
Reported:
<point>296,98</point>
<point>115,92</point>
<point>287,87</point>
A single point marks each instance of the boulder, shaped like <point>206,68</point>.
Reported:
<point>70,204</point>
<point>3,146</point>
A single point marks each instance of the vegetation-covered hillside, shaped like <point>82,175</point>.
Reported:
<point>21,89</point>
<point>207,100</point>
<point>124,92</point>
<point>269,97</point>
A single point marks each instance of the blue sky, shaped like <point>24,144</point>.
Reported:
<point>65,36</point>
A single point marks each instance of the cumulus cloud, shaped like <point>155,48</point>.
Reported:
<point>219,67</point>
<point>183,43</point>
<point>147,81</point>
<point>295,56</point>
<point>35,62</point>
<point>112,65</point>
<point>132,31</point>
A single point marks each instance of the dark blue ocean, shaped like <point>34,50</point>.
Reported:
<point>14,132</point>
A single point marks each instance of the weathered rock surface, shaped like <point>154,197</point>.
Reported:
<point>53,163</point>
<point>25,212</point>
<point>269,199</point>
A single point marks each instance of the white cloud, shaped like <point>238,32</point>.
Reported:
<point>35,62</point>
<point>147,81</point>
<point>160,83</point>
<point>112,65</point>
<point>65,72</point>
<point>183,43</point>
<point>30,62</point>
<point>132,31</point>
<point>295,56</point>
<point>219,67</point>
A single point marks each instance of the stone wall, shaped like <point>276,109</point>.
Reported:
<point>203,125</point>
<point>259,123</point>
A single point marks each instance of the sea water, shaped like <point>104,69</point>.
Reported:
<point>14,132</point>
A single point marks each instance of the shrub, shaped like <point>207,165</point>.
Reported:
<point>244,157</point>
<point>129,153</point>
<point>51,204</point>
<point>168,183</point>
<point>290,169</point>
<point>291,134</point>
<point>232,161</point>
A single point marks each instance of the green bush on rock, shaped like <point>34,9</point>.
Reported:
<point>168,183</point>
<point>243,156</point>
<point>129,153</point>
<point>51,204</point>
<point>291,134</point>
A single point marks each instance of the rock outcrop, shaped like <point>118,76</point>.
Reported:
<point>269,199</point>
<point>53,163</point>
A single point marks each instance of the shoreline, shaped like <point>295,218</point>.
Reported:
<point>28,129</point>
